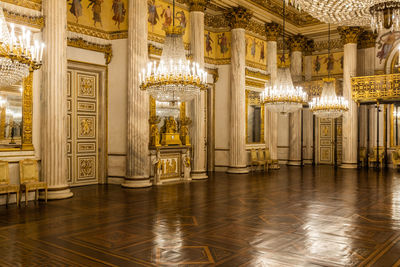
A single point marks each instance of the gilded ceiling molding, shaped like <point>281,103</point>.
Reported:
<point>29,21</point>
<point>238,17</point>
<point>30,4</point>
<point>257,75</point>
<point>367,40</point>
<point>198,5</point>
<point>272,31</point>
<point>294,17</point>
<point>83,44</point>
<point>350,35</point>
<point>297,42</point>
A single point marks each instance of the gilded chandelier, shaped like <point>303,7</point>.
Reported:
<point>281,96</point>
<point>17,55</point>
<point>174,78</point>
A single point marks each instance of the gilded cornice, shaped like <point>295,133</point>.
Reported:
<point>323,45</point>
<point>256,27</point>
<point>238,17</point>
<point>214,73</point>
<point>83,44</point>
<point>297,42</point>
<point>255,83</point>
<point>350,35</point>
<point>215,21</point>
<point>90,31</point>
<point>272,31</point>
<point>294,17</point>
<point>197,5</point>
<point>256,65</point>
<point>367,39</point>
<point>216,61</point>
<point>257,75</point>
<point>35,22</point>
<point>31,4</point>
<point>153,50</point>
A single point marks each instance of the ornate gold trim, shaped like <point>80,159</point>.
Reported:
<point>349,35</point>
<point>254,83</point>
<point>216,61</point>
<point>35,22</point>
<point>27,113</point>
<point>256,65</point>
<point>238,17</point>
<point>91,31</point>
<point>376,88</point>
<point>31,4</point>
<point>83,44</point>
<point>257,75</point>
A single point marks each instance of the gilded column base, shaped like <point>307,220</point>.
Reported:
<point>136,182</point>
<point>56,193</point>
<point>348,165</point>
<point>199,175</point>
<point>294,162</point>
<point>238,170</point>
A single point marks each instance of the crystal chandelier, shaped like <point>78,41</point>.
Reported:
<point>379,14</point>
<point>173,78</point>
<point>282,96</point>
<point>17,55</point>
<point>166,109</point>
<point>329,105</point>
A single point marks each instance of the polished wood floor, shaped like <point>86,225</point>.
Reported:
<point>292,217</point>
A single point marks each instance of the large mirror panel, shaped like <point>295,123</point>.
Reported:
<point>395,124</point>
<point>254,118</point>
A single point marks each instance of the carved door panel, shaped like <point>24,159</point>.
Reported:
<point>326,149</point>
<point>83,123</point>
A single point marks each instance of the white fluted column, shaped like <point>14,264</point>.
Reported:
<point>307,114</point>
<point>238,156</point>
<point>350,123</point>
<point>296,46</point>
<point>271,118</point>
<point>54,100</point>
<point>199,103</point>
<point>137,158</point>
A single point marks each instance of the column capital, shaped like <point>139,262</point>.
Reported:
<point>198,5</point>
<point>272,31</point>
<point>297,42</point>
<point>349,35</point>
<point>309,47</point>
<point>238,17</point>
<point>367,39</point>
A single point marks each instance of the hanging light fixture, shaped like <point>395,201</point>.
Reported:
<point>282,96</point>
<point>17,54</point>
<point>385,14</point>
<point>174,78</point>
<point>329,105</point>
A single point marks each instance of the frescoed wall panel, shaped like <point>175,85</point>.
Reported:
<point>256,50</point>
<point>322,64</point>
<point>106,15</point>
<point>217,46</point>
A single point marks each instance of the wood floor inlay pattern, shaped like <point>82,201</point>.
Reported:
<point>291,217</point>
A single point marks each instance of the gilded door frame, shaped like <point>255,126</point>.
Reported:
<point>102,150</point>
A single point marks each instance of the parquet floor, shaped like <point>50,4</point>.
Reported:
<point>292,217</point>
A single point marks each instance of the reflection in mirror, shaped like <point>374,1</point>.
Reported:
<point>254,117</point>
<point>166,109</point>
<point>10,116</point>
<point>395,122</point>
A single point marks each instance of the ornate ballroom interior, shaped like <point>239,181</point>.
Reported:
<point>199,132</point>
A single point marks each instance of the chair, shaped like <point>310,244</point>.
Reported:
<point>268,158</point>
<point>29,177</point>
<point>396,158</point>
<point>373,157</point>
<point>254,160</point>
<point>5,187</point>
<point>362,156</point>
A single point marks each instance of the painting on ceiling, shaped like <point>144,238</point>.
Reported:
<point>256,50</point>
<point>160,15</point>
<point>106,15</point>
<point>217,45</point>
<point>323,64</point>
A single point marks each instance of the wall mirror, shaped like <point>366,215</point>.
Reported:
<point>395,125</point>
<point>254,118</point>
<point>16,116</point>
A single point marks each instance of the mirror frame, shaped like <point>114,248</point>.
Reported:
<point>27,116</point>
<point>262,120</point>
<point>392,127</point>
